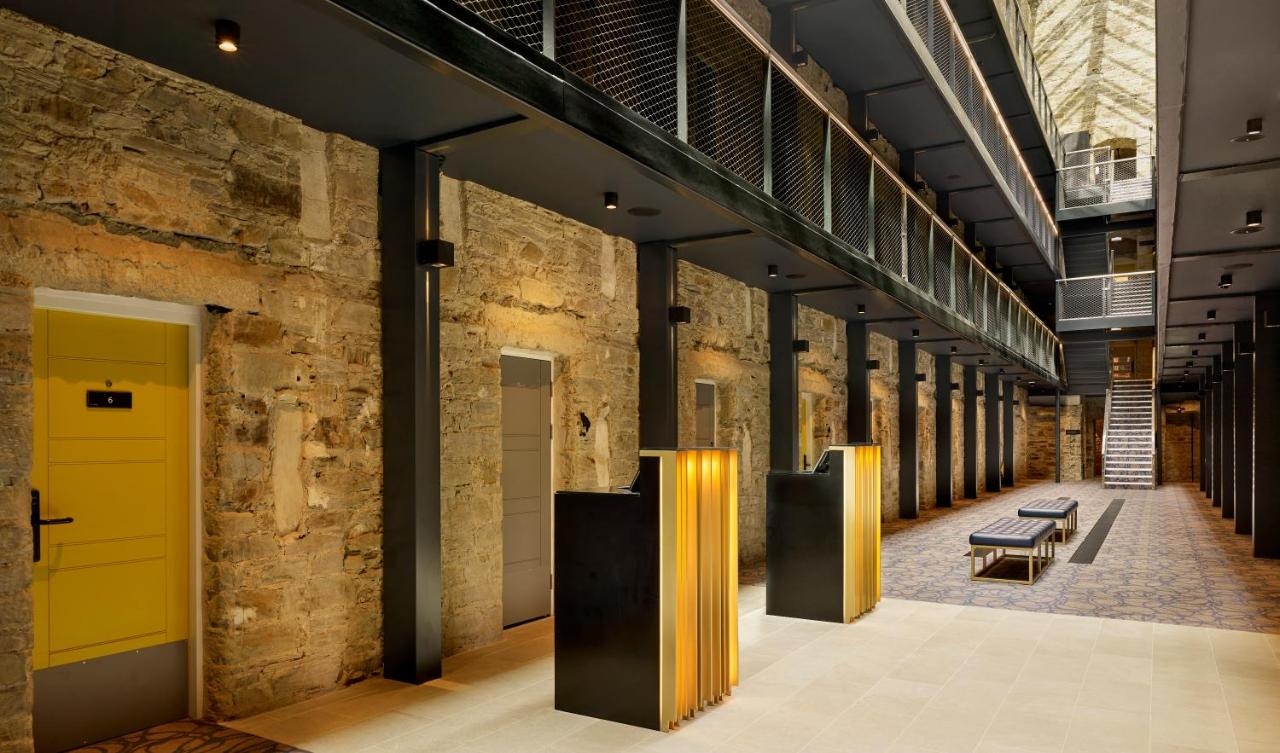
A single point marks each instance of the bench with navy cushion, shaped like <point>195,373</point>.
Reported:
<point>1033,538</point>
<point>1063,509</point>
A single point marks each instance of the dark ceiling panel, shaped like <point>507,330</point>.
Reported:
<point>913,117</point>
<point>1209,208</point>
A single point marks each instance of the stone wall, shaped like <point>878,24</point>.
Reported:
<point>123,178</point>
<point>530,279</point>
<point>927,430</point>
<point>884,418</point>
<point>1040,455</point>
<point>824,375</point>
<point>1097,58</point>
<point>1180,442</point>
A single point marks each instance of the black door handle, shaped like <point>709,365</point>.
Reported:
<point>37,521</point>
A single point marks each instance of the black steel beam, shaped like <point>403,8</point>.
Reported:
<point>655,295</point>
<point>784,384</point>
<point>971,432</point>
<point>1007,446</point>
<point>942,431</point>
<point>991,459</point>
<point>1266,437</point>
<point>908,432</point>
<point>411,585</point>
<point>858,380</point>
<point>1244,428</point>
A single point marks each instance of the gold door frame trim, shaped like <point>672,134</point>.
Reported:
<point>192,317</point>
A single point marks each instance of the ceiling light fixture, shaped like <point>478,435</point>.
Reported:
<point>227,35</point>
<point>1116,238</point>
<point>1195,352</point>
<point>915,333</point>
<point>610,199</point>
<point>862,308</point>
<point>1211,315</point>
<point>1200,336</point>
<point>954,349</point>
<point>773,270</point>
<point>1252,223</point>
<point>1224,281</point>
<point>1252,131</point>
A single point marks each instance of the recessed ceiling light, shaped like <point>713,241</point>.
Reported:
<point>1200,336</point>
<point>1252,131</point>
<point>610,199</point>
<point>1252,223</point>
<point>1224,281</point>
<point>226,34</point>
<point>1211,315</point>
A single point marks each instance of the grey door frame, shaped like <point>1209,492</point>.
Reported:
<point>550,359</point>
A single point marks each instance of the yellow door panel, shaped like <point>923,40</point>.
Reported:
<point>107,500</point>
<point>68,556</point>
<point>88,336</point>
<point>98,605</point>
<point>116,579</point>
<point>69,382</point>
<point>98,451</point>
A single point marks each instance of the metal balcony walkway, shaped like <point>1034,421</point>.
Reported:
<point>923,89</point>
<point>713,145</point>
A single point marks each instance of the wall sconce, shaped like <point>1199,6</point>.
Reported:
<point>799,346</point>
<point>679,315</point>
<point>872,365</point>
<point>435,253</point>
<point>955,386</point>
<point>922,377</point>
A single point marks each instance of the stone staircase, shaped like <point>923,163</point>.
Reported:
<point>1130,443</point>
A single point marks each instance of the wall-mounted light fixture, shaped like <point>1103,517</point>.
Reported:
<point>679,315</point>
<point>226,34</point>
<point>799,346</point>
<point>610,199</point>
<point>435,253</point>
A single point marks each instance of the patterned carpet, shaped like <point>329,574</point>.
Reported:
<point>189,737</point>
<point>1170,557</point>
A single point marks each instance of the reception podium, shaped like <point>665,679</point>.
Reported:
<point>646,591</point>
<point>823,537</point>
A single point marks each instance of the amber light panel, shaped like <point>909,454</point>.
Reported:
<point>861,529</point>
<point>699,579</point>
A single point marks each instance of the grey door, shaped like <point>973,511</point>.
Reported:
<point>526,489</point>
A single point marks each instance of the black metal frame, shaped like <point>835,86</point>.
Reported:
<point>991,402</point>
<point>908,432</point>
<point>942,431</point>
<point>658,345</point>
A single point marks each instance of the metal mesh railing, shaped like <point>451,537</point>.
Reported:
<point>941,35</point>
<point>1094,182</point>
<point>740,105</point>
<point>521,19</point>
<point>626,49</point>
<point>726,92</point>
<point>1103,296</point>
<point>1015,29</point>
<point>799,146</point>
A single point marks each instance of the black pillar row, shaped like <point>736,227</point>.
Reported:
<point>942,431</point>
<point>1244,427</point>
<point>1266,437</point>
<point>655,295</point>
<point>908,432</point>
<point>991,395</point>
<point>1007,418</point>
<point>971,432</point>
<point>1218,438</point>
<point>1057,436</point>
<point>1227,404</point>
<point>859,382</point>
<point>784,383</point>
<point>411,589</point>
<point>1210,430</point>
<point>1204,435</point>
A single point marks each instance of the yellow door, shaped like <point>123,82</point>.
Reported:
<point>111,474</point>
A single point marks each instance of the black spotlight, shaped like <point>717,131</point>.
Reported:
<point>915,333</point>
<point>610,199</point>
<point>862,308</point>
<point>773,270</point>
<point>1200,336</point>
<point>1211,315</point>
<point>1224,281</point>
<point>227,35</point>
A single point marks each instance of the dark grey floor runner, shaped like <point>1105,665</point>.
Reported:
<point>1088,548</point>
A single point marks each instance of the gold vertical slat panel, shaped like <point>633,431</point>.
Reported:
<point>861,529</point>
<point>700,578</point>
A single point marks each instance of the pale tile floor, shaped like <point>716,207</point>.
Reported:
<point>909,677</point>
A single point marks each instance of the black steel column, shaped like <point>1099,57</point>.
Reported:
<point>1009,440</point>
<point>1266,433</point>
<point>784,383</point>
<point>1157,417</point>
<point>1218,439</point>
<point>858,381</point>
<point>970,432</point>
<point>991,459</point>
<point>1204,407</point>
<point>1227,404</point>
<point>1057,436</point>
<point>411,591</point>
<point>942,431</point>
<point>908,432</point>
<point>1244,427</point>
<point>655,295</point>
